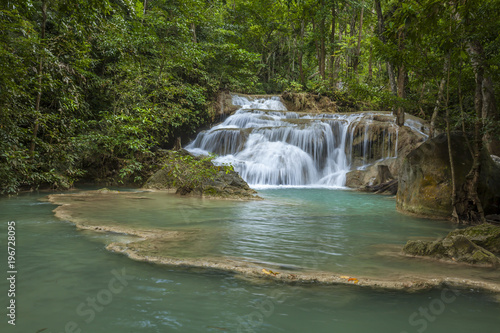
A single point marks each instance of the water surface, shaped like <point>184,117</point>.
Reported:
<point>59,268</point>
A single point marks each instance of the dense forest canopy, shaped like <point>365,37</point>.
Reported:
<point>91,89</point>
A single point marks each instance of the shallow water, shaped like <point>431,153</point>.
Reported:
<point>61,269</point>
<point>339,231</point>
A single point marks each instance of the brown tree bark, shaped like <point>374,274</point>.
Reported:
<point>490,114</point>
<point>469,207</point>
<point>399,112</point>
<point>454,214</point>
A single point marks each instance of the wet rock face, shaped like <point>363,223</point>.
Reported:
<point>223,105</point>
<point>375,174</point>
<point>379,139</point>
<point>425,185</point>
<point>472,245</point>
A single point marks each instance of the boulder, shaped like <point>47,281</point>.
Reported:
<point>473,245</point>
<point>485,235</point>
<point>425,185</point>
<point>375,174</point>
<point>228,185</point>
<point>220,182</point>
<point>307,102</point>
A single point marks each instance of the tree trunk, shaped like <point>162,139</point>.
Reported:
<point>193,31</point>
<point>399,111</point>
<point>332,50</point>
<point>322,58</point>
<point>469,206</point>
<point>145,6</point>
<point>490,115</point>
<point>317,44</point>
<point>358,47</point>
<point>461,107</point>
<point>381,31</point>
<point>437,106</point>
<point>402,75</point>
<point>370,65</point>
<point>40,75</point>
<point>337,65</point>
<point>454,213</point>
<point>351,54</point>
<point>301,53</point>
<point>380,21</point>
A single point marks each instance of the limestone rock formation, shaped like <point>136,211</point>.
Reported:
<point>425,185</point>
<point>223,106</point>
<point>385,151</point>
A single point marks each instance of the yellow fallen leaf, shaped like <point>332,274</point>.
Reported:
<point>345,277</point>
<point>269,272</point>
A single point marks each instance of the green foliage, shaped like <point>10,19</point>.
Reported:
<point>116,82</point>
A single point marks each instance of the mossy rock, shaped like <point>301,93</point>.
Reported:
<point>223,184</point>
<point>416,248</point>
<point>460,246</point>
<point>485,235</point>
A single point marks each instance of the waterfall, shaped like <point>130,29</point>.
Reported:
<point>267,145</point>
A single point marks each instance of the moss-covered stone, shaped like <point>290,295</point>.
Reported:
<point>485,235</point>
<point>220,182</point>
<point>460,246</point>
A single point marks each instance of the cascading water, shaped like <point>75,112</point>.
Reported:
<point>269,146</point>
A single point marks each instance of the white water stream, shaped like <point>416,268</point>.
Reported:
<point>269,146</point>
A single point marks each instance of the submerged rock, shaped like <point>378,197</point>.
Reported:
<point>473,245</point>
<point>425,185</point>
